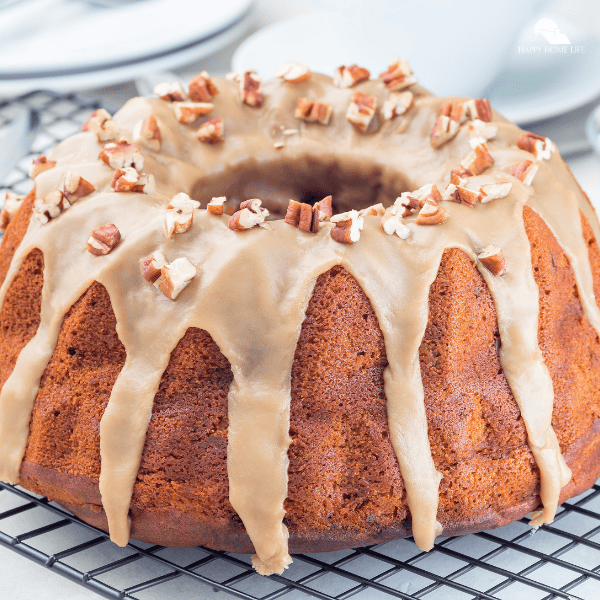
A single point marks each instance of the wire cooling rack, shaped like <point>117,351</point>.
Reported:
<point>561,560</point>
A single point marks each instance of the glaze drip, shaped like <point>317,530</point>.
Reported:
<point>253,287</point>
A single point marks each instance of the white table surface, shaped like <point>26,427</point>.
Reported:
<point>21,579</point>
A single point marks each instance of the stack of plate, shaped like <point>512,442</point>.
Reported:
<point>64,45</point>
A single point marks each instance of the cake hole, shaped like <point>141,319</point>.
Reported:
<point>354,184</point>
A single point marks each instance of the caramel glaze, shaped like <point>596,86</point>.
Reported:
<point>253,287</point>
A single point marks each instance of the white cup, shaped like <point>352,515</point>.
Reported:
<point>455,47</point>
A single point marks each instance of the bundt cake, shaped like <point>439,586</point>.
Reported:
<point>382,321</point>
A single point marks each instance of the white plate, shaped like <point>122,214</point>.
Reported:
<point>109,76</point>
<point>528,90</point>
<point>540,86</point>
<point>56,38</point>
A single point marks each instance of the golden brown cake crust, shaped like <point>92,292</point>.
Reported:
<point>338,424</point>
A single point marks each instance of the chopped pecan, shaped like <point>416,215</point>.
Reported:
<point>180,213</point>
<point>293,72</point>
<point>129,180</point>
<point>478,160</point>
<point>454,110</point>
<point>103,240</point>
<point>301,215</point>
<point>171,91</point>
<point>76,187</point>
<point>462,195</point>
<point>152,265</point>
<point>432,213</point>
<point>202,88</point>
<point>39,165</point>
<point>122,155</point>
<point>372,211</point>
<point>399,75</point>
<point>211,131</point>
<point>492,258</point>
<point>479,108</point>
<point>146,133</point>
<point>444,129</point>
<point>102,124</point>
<point>250,215</point>
<point>541,147</point>
<point>12,203</point>
<point>189,112</point>
<point>50,206</point>
<point>361,110</point>
<point>480,132</point>
<point>176,277</point>
<point>313,112</point>
<point>215,206</point>
<point>410,201</point>
<point>495,191</point>
<point>524,170</point>
<point>324,208</point>
<point>250,87</point>
<point>391,222</point>
<point>346,77</point>
<point>397,104</point>
<point>348,227</point>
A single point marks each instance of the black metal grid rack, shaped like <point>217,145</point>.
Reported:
<point>561,560</point>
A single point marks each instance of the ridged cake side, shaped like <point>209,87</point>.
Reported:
<point>345,488</point>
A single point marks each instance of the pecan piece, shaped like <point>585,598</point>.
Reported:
<point>444,129</point>
<point>478,160</point>
<point>346,77</point>
<point>399,75</point>
<point>146,133</point>
<point>189,112</point>
<point>170,91</point>
<point>76,187</point>
<point>313,112</point>
<point>431,212</point>
<point>293,72</point>
<point>361,110</point>
<point>211,132</point>
<point>250,215</point>
<point>301,215</point>
<point>215,206</point>
<point>39,165</point>
<point>479,108</point>
<point>324,207</point>
<point>495,191</point>
<point>524,170</point>
<point>50,206</point>
<point>12,203</point>
<point>462,195</point>
<point>202,88</point>
<point>122,155</point>
<point>250,87</point>
<point>180,214</point>
<point>348,227</point>
<point>152,265</point>
<point>129,180</point>
<point>541,147</point>
<point>480,132</point>
<point>372,211</point>
<point>454,110</point>
<point>397,104</point>
<point>391,222</point>
<point>103,240</point>
<point>102,124</point>
<point>492,258</point>
<point>176,277</point>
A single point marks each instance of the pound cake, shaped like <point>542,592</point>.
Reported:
<point>300,315</point>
